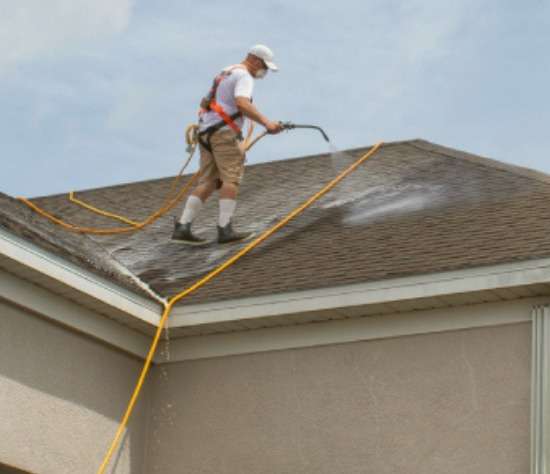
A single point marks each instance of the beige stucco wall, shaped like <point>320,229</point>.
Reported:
<point>453,403</point>
<point>61,395</point>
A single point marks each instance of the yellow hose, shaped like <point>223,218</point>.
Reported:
<point>169,202</point>
<point>214,273</point>
<point>101,212</point>
<point>116,230</point>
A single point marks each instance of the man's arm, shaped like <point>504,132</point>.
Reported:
<point>249,110</point>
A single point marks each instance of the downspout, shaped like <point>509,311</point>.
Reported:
<point>540,391</point>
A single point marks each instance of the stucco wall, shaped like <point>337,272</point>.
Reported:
<point>61,396</point>
<point>453,403</point>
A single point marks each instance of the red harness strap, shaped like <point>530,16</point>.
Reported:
<point>226,118</point>
<point>213,105</point>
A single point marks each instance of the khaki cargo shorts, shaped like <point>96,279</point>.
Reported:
<point>226,162</point>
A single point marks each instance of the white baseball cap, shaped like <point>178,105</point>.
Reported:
<point>264,53</point>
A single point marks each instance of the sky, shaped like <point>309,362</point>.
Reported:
<point>99,92</point>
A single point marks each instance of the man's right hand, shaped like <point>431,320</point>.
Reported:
<point>273,127</point>
<point>249,109</point>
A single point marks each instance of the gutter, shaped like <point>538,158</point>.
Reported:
<point>396,290</point>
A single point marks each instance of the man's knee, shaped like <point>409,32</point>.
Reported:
<point>233,185</point>
<point>205,189</point>
<point>229,190</point>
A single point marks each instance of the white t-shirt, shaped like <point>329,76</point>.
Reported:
<point>239,83</point>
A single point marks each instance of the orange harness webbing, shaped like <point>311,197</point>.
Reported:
<point>226,118</point>
<point>213,105</point>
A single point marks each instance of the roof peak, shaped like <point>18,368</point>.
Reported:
<point>418,143</point>
<point>480,160</point>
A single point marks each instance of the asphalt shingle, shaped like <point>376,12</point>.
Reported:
<point>413,208</point>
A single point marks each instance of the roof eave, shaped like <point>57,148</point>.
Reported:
<point>467,286</point>
<point>80,280</point>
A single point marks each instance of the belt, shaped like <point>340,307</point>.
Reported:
<point>205,135</point>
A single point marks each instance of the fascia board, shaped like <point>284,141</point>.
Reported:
<point>44,303</point>
<point>80,279</point>
<point>387,291</point>
<point>350,330</point>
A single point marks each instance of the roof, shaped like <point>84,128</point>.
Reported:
<point>413,208</point>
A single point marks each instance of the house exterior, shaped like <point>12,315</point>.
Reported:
<point>399,325</point>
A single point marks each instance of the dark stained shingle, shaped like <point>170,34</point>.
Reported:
<point>79,249</point>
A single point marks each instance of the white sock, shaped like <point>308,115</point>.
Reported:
<point>227,208</point>
<point>192,208</point>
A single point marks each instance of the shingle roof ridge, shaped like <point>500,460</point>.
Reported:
<point>481,160</point>
<point>105,188</point>
<point>328,153</point>
<point>250,165</point>
<point>418,143</point>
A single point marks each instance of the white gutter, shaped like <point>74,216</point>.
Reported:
<point>380,292</point>
<point>351,330</point>
<point>78,278</point>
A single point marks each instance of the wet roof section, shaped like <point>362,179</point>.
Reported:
<point>413,208</point>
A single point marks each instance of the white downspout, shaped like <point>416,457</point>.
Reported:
<point>540,391</point>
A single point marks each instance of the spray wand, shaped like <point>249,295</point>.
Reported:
<point>292,126</point>
<point>289,126</point>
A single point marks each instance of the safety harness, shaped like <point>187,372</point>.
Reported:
<point>209,103</point>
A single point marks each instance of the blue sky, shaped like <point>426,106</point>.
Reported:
<point>98,92</point>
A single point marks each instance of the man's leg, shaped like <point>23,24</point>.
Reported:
<point>195,201</point>
<point>230,164</point>
<point>209,175</point>
<point>227,203</point>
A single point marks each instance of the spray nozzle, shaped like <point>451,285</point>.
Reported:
<point>287,125</point>
<point>291,126</point>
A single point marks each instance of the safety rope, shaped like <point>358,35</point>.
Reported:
<point>203,281</point>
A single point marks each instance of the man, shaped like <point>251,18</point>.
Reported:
<point>221,154</point>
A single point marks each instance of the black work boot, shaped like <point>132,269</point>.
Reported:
<point>182,234</point>
<point>227,235</point>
